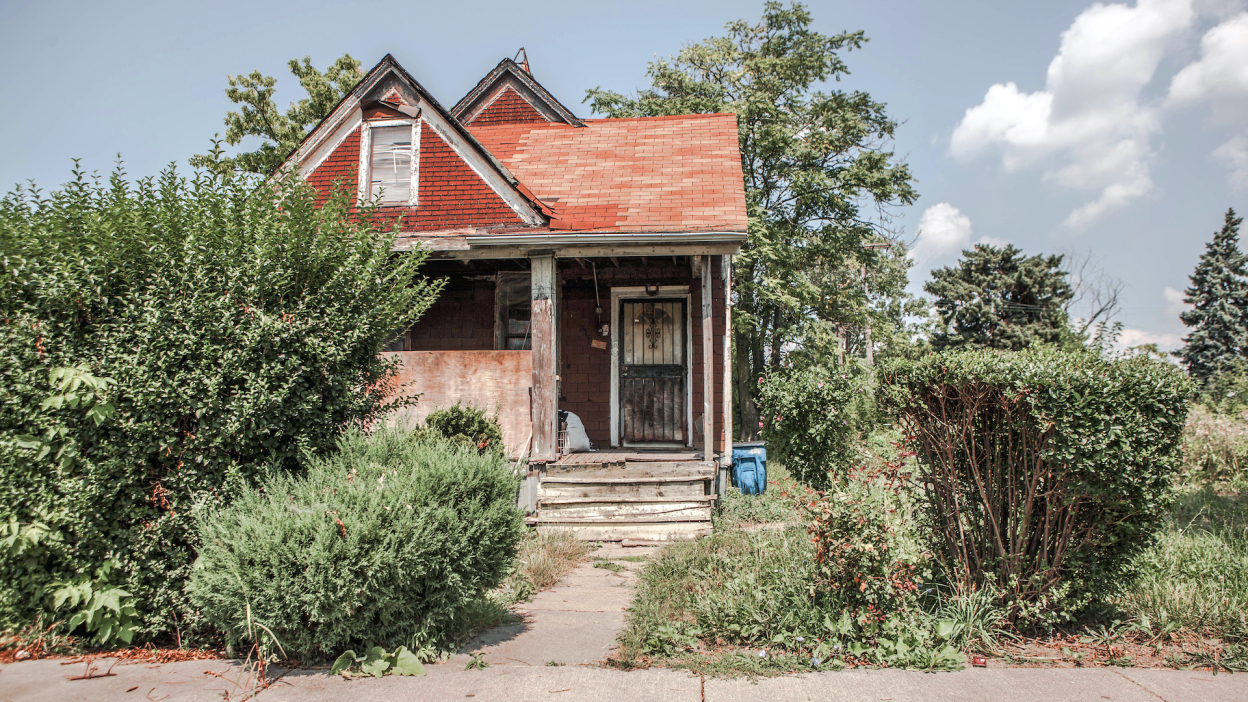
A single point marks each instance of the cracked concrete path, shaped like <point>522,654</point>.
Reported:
<point>574,623</point>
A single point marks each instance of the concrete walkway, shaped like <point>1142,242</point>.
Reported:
<point>575,625</point>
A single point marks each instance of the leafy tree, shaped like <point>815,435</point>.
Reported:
<point>231,330</point>
<point>812,161</point>
<point>997,298</point>
<point>259,116</point>
<point>1219,299</point>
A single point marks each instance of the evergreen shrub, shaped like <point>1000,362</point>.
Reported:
<point>1044,472</point>
<point>240,328</point>
<point>384,542</point>
<point>809,423</point>
<point>469,425</point>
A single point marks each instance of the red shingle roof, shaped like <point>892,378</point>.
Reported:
<point>650,174</point>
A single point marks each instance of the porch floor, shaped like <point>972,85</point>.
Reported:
<point>628,455</point>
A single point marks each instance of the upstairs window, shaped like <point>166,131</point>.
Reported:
<point>392,161</point>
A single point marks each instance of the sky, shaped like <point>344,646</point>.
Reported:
<point>1117,131</point>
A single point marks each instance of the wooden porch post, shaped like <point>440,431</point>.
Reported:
<point>708,363</point>
<point>725,272</point>
<point>545,382</point>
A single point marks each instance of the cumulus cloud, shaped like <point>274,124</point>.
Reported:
<point>1130,338</point>
<point>1088,129</point>
<point>1174,301</point>
<point>943,229</point>
<point>1220,75</point>
<point>1234,155</point>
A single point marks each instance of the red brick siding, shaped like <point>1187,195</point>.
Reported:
<point>462,319</point>
<point>451,194</point>
<point>508,108</point>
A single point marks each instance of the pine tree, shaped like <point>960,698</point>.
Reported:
<point>999,299</point>
<point>1219,299</point>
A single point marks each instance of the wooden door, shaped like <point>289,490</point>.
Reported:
<point>653,371</point>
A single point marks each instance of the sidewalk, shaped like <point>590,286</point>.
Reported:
<point>575,625</point>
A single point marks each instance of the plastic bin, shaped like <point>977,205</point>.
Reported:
<point>749,467</point>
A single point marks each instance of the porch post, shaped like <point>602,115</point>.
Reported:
<point>545,379</point>
<point>708,363</point>
<point>725,272</point>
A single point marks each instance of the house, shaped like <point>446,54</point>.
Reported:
<point>587,269</point>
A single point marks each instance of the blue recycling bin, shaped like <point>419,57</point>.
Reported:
<point>749,467</point>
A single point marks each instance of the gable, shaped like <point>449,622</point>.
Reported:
<point>451,193</point>
<point>331,152</point>
<point>510,95</point>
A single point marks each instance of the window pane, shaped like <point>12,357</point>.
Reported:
<point>392,163</point>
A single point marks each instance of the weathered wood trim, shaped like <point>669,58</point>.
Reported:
<point>364,184</point>
<point>708,363</point>
<point>725,272</point>
<point>542,327</point>
<point>639,292</point>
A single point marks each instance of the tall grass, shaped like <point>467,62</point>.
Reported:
<point>1215,445</point>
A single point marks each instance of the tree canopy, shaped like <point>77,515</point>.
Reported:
<point>1219,299</point>
<point>281,133</point>
<point>820,178</point>
<point>997,298</point>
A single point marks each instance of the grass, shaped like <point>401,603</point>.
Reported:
<point>1195,576</point>
<point>609,565</point>
<point>542,560</point>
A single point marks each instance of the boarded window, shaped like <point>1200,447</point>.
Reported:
<point>391,164</point>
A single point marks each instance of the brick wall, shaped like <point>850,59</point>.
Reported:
<point>451,194</point>
<point>462,319</point>
<point>508,108</point>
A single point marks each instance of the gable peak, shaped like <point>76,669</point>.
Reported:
<point>511,81</point>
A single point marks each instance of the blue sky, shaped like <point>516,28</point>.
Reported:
<point>1116,129</point>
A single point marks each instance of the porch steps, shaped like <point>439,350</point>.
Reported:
<point>638,501</point>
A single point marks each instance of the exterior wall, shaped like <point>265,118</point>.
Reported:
<point>450,193</point>
<point>508,108</point>
<point>462,318</point>
<point>491,380</point>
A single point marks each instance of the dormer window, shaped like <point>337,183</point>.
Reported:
<point>390,161</point>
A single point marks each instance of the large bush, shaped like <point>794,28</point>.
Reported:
<point>241,326</point>
<point>1044,471</point>
<point>384,542</point>
<point>809,421</point>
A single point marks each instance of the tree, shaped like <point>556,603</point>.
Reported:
<point>1219,299</point>
<point>281,133</point>
<point>812,161</point>
<point>997,298</point>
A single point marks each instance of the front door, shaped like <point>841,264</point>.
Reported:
<point>653,369</point>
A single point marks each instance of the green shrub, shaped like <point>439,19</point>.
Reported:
<point>808,423</point>
<point>469,425</point>
<point>242,327</point>
<point>1044,472</point>
<point>385,542</point>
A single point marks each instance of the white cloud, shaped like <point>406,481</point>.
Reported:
<point>1174,301</point>
<point>1234,155</point>
<point>1088,128</point>
<point>942,230</point>
<point>1131,338</point>
<point>992,241</point>
<point>1220,76</point>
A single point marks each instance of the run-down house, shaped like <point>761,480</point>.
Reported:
<point>587,265</point>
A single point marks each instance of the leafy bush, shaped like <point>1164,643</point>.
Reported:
<point>1044,472</point>
<point>1215,446</point>
<point>384,542</point>
<point>241,325</point>
<point>807,423</point>
<point>469,425</point>
<point>1227,392</point>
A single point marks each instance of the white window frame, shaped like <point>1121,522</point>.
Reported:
<point>366,160</point>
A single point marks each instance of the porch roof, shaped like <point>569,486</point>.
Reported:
<point>650,174</point>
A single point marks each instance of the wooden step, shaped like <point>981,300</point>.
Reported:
<point>655,509</point>
<point>629,530</point>
<point>675,486</point>
<point>658,469</point>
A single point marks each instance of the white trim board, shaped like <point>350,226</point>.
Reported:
<point>639,293</point>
